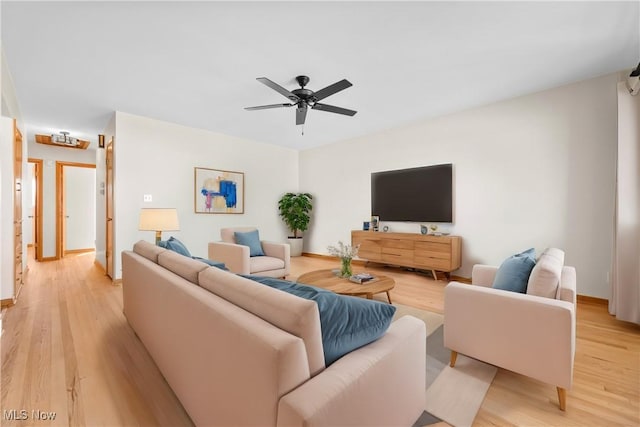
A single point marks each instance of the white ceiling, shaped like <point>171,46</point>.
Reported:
<point>195,63</point>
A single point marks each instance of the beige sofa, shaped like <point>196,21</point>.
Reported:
<point>239,353</point>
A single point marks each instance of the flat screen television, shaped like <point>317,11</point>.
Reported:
<point>422,194</point>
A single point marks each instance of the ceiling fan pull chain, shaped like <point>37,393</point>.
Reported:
<point>302,130</point>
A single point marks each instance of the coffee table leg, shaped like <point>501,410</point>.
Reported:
<point>389,297</point>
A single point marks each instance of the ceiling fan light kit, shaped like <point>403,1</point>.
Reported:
<point>304,98</point>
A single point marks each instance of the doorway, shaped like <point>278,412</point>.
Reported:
<point>75,208</point>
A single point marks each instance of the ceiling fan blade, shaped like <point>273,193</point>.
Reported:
<point>301,115</point>
<point>265,107</point>
<point>331,89</point>
<point>275,86</point>
<point>333,109</point>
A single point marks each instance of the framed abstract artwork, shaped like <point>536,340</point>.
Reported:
<point>218,191</point>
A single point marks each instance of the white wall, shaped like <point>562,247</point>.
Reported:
<point>158,158</point>
<point>10,107</point>
<point>50,155</point>
<point>534,171</point>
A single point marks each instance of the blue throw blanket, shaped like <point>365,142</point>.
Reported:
<point>347,322</point>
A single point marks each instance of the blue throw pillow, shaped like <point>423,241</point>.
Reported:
<point>177,246</point>
<point>251,239</point>
<point>347,323</point>
<point>513,274</point>
<point>163,244</point>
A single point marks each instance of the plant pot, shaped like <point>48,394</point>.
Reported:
<point>296,246</point>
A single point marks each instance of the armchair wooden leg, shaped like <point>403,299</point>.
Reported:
<point>454,356</point>
<point>562,398</point>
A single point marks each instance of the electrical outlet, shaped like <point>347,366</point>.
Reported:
<point>148,198</point>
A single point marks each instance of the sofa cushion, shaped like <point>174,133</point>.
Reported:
<point>545,276</point>
<point>216,264</point>
<point>181,265</point>
<point>513,274</point>
<point>148,250</point>
<point>258,264</point>
<point>177,246</point>
<point>295,315</point>
<point>347,322</point>
<point>251,239</point>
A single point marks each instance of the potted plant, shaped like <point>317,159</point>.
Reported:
<point>294,210</point>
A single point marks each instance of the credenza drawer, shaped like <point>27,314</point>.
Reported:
<point>369,249</point>
<point>433,263</point>
<point>407,253</point>
<point>433,247</point>
<point>397,244</point>
<point>397,259</point>
<point>370,255</point>
<point>368,244</point>
<point>419,254</point>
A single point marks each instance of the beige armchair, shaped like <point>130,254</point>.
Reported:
<point>528,334</point>
<point>275,262</point>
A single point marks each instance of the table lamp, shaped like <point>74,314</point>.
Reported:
<point>158,220</point>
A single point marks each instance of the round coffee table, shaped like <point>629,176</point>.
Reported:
<point>326,279</point>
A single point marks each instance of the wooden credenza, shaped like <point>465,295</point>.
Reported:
<point>424,252</point>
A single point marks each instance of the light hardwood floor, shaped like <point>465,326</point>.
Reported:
<point>67,348</point>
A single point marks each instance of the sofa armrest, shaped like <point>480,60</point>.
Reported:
<point>568,284</point>
<point>483,275</point>
<point>382,383</point>
<point>527,334</point>
<point>235,257</point>
<point>278,250</point>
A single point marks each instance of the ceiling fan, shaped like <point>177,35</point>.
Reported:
<point>304,98</point>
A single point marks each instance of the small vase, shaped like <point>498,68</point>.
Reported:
<point>345,270</point>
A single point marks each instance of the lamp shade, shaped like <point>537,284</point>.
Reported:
<point>157,219</point>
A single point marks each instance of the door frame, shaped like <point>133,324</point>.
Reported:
<point>38,165</point>
<point>108,219</point>
<point>60,204</point>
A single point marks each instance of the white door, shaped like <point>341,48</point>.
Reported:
<point>80,208</point>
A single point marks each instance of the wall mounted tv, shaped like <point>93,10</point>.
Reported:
<point>422,194</point>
